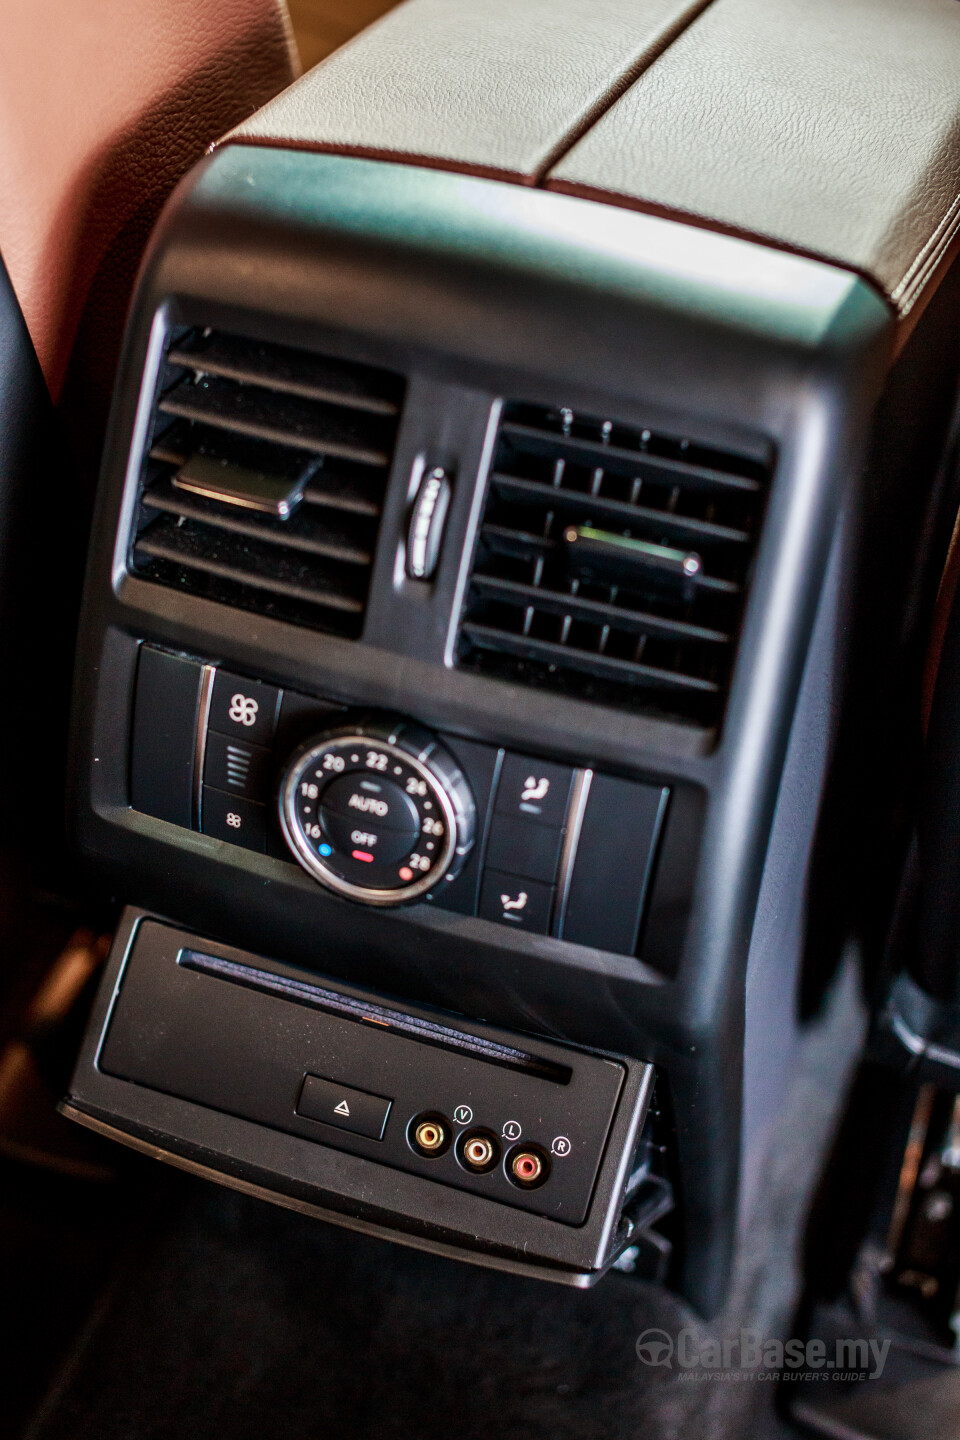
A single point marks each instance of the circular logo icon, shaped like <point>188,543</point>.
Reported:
<point>463,1114</point>
<point>561,1146</point>
<point>511,1130</point>
<point>655,1347</point>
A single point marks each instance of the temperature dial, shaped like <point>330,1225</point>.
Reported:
<point>377,810</point>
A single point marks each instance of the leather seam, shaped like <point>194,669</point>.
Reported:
<point>908,290</point>
<point>615,91</point>
<point>371,152</point>
<point>577,127</point>
<point>695,221</point>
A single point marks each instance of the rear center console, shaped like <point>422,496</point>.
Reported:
<point>457,588</point>
<point>534,782</point>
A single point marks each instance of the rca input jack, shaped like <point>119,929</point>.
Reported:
<point>429,1135</point>
<point>527,1167</point>
<point>478,1151</point>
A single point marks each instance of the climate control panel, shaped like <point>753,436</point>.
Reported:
<point>378,810</point>
<point>381,811</point>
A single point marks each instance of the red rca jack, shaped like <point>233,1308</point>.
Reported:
<point>478,1151</point>
<point>429,1135</point>
<point>527,1167</point>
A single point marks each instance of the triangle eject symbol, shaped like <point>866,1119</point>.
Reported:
<point>342,1109</point>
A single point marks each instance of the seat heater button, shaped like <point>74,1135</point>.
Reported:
<point>372,803</point>
<point>524,904</point>
<point>344,1107</point>
<point>534,790</point>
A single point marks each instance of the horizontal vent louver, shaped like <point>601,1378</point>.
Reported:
<point>670,527</point>
<point>264,478</point>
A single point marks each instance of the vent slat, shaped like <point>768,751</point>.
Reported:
<point>292,372</point>
<point>264,479</point>
<point>603,666</point>
<point>577,584</point>
<point>594,612</point>
<point>522,545</point>
<point>245,563</point>
<point>339,492</point>
<point>357,494</point>
<point>284,419</point>
<point>300,532</point>
<point>625,462</point>
<point>181,439</point>
<point>573,503</point>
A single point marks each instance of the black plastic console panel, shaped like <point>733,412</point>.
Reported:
<point>236,1065</point>
<point>477,292</point>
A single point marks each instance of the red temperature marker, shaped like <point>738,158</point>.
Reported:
<point>363,855</point>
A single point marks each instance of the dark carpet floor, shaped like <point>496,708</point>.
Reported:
<point>226,1317</point>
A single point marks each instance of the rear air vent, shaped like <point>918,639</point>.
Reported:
<point>612,563</point>
<point>264,478</point>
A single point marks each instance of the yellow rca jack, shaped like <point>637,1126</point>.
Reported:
<point>429,1135</point>
<point>478,1151</point>
<point>527,1166</point>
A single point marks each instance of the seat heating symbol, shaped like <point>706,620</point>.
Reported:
<point>519,904</point>
<point>342,1109</point>
<point>535,789</point>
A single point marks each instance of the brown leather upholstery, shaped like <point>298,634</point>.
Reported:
<point>103,106</point>
<point>498,87</point>
<point>828,126</point>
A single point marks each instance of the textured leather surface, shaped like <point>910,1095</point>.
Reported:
<point>493,87</point>
<point>828,126</point>
<point>103,106</point>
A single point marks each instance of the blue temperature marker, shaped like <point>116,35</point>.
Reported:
<point>325,849</point>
